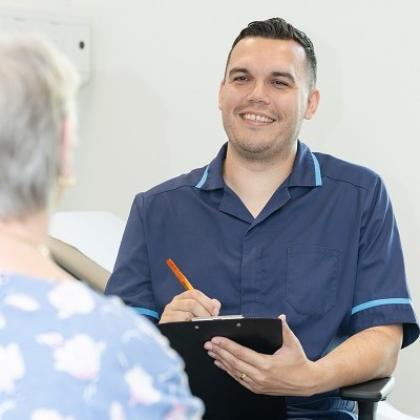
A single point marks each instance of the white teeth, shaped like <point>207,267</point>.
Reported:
<point>256,117</point>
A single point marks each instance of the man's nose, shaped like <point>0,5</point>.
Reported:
<point>259,93</point>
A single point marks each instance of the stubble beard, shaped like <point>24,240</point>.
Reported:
<point>263,151</point>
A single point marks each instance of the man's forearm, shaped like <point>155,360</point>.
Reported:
<point>370,354</point>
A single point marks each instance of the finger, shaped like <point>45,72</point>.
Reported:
<point>289,338</point>
<point>204,306</point>
<point>189,305</point>
<point>222,345</point>
<point>244,380</point>
<point>233,358</point>
<point>175,316</point>
<point>239,375</point>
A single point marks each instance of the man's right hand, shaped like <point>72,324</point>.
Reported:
<point>188,305</point>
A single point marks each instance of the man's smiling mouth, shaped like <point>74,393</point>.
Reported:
<point>258,118</point>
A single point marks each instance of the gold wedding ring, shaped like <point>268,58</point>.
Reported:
<point>242,376</point>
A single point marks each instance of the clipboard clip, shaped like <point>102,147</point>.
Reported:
<point>215,318</point>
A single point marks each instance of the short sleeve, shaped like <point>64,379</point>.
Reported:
<point>130,279</point>
<point>381,293</point>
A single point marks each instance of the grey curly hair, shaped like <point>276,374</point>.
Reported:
<point>37,91</point>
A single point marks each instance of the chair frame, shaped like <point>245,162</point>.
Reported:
<point>367,395</point>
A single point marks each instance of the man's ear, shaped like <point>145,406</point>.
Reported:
<point>312,105</point>
<point>222,85</point>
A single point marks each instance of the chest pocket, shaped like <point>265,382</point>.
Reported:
<point>312,277</point>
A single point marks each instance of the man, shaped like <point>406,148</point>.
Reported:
<point>269,228</point>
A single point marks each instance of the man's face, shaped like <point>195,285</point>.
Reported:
<point>265,97</point>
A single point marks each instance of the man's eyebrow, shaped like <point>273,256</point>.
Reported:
<point>238,70</point>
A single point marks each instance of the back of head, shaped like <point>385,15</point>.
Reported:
<point>37,88</point>
<point>278,28</point>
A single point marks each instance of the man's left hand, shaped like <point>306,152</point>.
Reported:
<point>287,372</point>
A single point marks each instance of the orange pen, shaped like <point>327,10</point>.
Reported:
<point>179,274</point>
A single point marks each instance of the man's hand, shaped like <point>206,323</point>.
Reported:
<point>369,354</point>
<point>188,305</point>
<point>286,372</point>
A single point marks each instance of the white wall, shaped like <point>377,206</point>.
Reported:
<point>150,110</point>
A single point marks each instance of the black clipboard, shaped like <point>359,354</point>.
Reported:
<point>225,398</point>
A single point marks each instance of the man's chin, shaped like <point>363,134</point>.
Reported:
<point>260,150</point>
<point>254,150</point>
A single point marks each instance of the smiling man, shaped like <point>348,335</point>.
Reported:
<point>270,228</point>
<point>267,92</point>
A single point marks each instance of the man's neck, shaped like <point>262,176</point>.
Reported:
<point>256,181</point>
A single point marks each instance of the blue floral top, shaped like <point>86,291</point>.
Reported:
<point>67,353</point>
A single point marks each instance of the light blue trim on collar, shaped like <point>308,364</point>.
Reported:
<point>318,179</point>
<point>148,312</point>
<point>379,302</point>
<point>203,178</point>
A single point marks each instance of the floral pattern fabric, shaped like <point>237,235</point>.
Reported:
<point>67,353</point>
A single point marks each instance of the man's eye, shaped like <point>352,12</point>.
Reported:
<point>240,79</point>
<point>279,83</point>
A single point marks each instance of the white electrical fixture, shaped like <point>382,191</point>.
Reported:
<point>71,35</point>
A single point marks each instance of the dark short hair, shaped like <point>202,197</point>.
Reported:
<point>278,28</point>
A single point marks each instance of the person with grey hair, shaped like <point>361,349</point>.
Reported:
<point>65,352</point>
